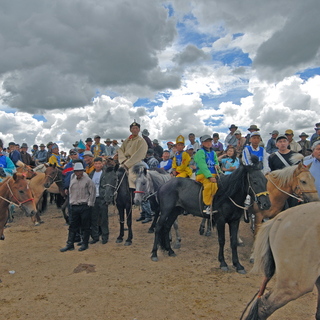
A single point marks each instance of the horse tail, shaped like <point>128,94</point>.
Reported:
<point>253,313</point>
<point>263,256</point>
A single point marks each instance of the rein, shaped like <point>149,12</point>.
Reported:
<point>14,197</point>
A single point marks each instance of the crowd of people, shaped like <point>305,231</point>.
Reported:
<point>83,167</point>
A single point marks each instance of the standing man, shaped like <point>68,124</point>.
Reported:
<point>193,142</point>
<point>316,135</point>
<point>41,156</point>
<point>109,148</point>
<point>158,150</point>
<point>271,144</point>
<point>217,146</point>
<point>25,156</point>
<point>281,158</point>
<point>304,143</point>
<point>256,150</point>
<point>241,141</point>
<point>98,148</point>
<point>293,145</point>
<point>88,159</point>
<point>231,138</point>
<point>88,142</point>
<point>207,160</point>
<point>82,194</point>
<point>145,135</point>
<point>99,217</point>
<point>132,151</point>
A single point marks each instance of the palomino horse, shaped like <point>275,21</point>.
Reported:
<point>148,183</point>
<point>288,246</point>
<point>15,190</point>
<point>181,194</point>
<point>295,181</point>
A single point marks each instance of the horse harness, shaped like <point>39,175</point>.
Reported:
<point>18,204</point>
<point>55,177</point>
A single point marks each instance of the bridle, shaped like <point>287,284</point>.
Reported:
<point>17,203</point>
<point>56,171</point>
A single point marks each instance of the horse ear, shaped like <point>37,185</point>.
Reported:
<point>309,165</point>
<point>116,167</point>
<point>15,177</point>
<point>145,171</point>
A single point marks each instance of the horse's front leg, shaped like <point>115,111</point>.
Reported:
<point>177,244</point>
<point>154,255</point>
<point>233,229</point>
<point>154,222</point>
<point>121,218</point>
<point>129,225</point>
<point>202,226</point>
<point>167,227</point>
<point>222,240</point>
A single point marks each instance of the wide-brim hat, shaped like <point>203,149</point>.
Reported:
<point>24,145</point>
<point>49,143</point>
<point>145,132</point>
<point>155,141</point>
<point>115,141</point>
<point>289,131</point>
<point>237,132</point>
<point>78,166</point>
<point>107,140</point>
<point>274,132</point>
<point>233,127</point>
<point>89,140</point>
<point>303,134</point>
<point>42,145</point>
<point>97,136</point>
<point>253,127</point>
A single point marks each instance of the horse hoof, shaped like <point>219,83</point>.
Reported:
<point>41,221</point>
<point>128,243</point>
<point>151,230</point>
<point>155,259</point>
<point>119,240</point>
<point>208,234</point>
<point>172,254</point>
<point>37,224</point>
<point>251,260</point>
<point>2,237</point>
<point>177,246</point>
<point>241,244</point>
<point>242,271</point>
<point>201,231</point>
<point>224,268</point>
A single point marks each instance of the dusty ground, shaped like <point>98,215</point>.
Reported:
<point>126,284</point>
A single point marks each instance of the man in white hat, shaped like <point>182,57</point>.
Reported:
<point>82,195</point>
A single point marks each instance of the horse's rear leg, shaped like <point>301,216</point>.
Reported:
<point>129,225</point>
<point>36,219</point>
<point>166,231</point>
<point>177,244</point>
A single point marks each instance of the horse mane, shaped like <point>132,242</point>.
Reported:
<point>283,176</point>
<point>230,184</point>
<point>158,178</point>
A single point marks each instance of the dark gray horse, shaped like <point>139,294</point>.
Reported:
<point>148,183</point>
<point>181,194</point>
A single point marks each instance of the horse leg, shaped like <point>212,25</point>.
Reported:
<point>121,218</point>
<point>221,240</point>
<point>202,226</point>
<point>129,225</point>
<point>177,244</point>
<point>158,229</point>
<point>167,227</point>
<point>233,229</point>
<point>209,228</point>
<point>154,222</point>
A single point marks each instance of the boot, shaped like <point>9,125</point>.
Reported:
<point>85,241</point>
<point>70,242</point>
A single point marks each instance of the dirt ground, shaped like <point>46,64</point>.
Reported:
<point>126,284</point>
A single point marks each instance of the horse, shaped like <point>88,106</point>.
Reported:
<point>295,181</point>
<point>15,190</point>
<point>119,188</point>
<point>288,246</point>
<point>181,194</point>
<point>148,183</point>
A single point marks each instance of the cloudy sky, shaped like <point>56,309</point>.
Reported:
<point>73,69</point>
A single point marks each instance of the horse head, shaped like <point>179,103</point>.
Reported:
<point>257,185</point>
<point>111,182</point>
<point>20,193</point>
<point>52,174</point>
<point>142,183</point>
<point>303,184</point>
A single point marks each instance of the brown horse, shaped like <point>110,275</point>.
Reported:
<point>288,246</point>
<point>295,181</point>
<point>15,190</point>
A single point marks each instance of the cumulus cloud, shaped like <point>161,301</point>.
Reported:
<point>58,52</point>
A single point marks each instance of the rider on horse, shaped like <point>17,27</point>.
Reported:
<point>207,160</point>
<point>181,160</point>
<point>6,165</point>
